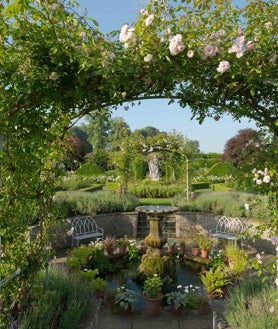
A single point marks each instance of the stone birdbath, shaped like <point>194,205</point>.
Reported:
<point>155,215</point>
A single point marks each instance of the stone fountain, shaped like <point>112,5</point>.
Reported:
<point>155,261</point>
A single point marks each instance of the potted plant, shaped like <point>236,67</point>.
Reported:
<point>205,243</point>
<point>195,250</point>
<point>110,297</point>
<point>123,243</point>
<point>182,247</point>
<point>237,259</point>
<point>125,298</point>
<point>171,244</point>
<point>98,286</point>
<point>215,281</point>
<point>152,295</point>
<point>109,243</point>
<point>202,304</point>
<point>182,297</point>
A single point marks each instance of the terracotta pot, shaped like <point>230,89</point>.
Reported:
<point>177,311</point>
<point>98,295</point>
<point>195,251</point>
<point>122,249</point>
<point>153,305</point>
<point>110,250</point>
<point>204,254</point>
<point>127,311</point>
<point>202,309</point>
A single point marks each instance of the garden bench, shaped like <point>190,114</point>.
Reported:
<point>85,229</point>
<point>228,229</point>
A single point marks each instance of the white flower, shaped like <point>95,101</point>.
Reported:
<point>223,66</point>
<point>148,58</point>
<point>149,20</point>
<point>179,286</point>
<point>259,182</point>
<point>53,76</point>
<point>268,25</point>
<point>246,206</point>
<point>126,34</point>
<point>190,53</point>
<point>266,179</point>
<point>82,35</point>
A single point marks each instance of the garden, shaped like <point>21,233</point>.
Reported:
<point>56,68</point>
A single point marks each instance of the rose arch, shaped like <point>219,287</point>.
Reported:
<point>56,66</point>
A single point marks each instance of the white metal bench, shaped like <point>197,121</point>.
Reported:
<point>85,229</point>
<point>228,228</point>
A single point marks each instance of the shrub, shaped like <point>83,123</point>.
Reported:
<point>151,189</point>
<point>200,186</point>
<point>253,305</point>
<point>89,257</point>
<point>84,203</point>
<point>62,305</point>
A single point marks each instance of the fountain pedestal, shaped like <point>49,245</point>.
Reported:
<point>152,262</point>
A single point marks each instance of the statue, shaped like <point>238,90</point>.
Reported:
<point>153,168</point>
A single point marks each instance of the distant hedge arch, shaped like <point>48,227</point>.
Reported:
<point>56,66</point>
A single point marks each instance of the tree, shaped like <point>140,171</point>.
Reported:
<point>119,130</point>
<point>148,131</point>
<point>244,150</point>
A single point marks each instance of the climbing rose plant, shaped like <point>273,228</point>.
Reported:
<point>56,66</point>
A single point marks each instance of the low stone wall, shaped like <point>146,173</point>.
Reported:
<point>189,222</point>
<point>120,224</point>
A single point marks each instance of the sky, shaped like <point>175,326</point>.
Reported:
<point>212,135</point>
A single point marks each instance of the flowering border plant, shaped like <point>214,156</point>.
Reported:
<point>183,296</point>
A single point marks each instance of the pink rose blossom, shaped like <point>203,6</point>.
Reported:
<point>149,20</point>
<point>266,179</point>
<point>176,44</point>
<point>272,309</point>
<point>209,51</point>
<point>259,182</point>
<point>223,66</point>
<point>249,46</point>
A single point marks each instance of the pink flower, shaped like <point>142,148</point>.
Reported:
<point>209,51</point>
<point>223,66</point>
<point>272,309</point>
<point>250,45</point>
<point>259,182</point>
<point>266,179</point>
<point>190,53</point>
<point>149,20</point>
<point>176,44</point>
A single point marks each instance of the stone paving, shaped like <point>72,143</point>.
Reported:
<point>103,318</point>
